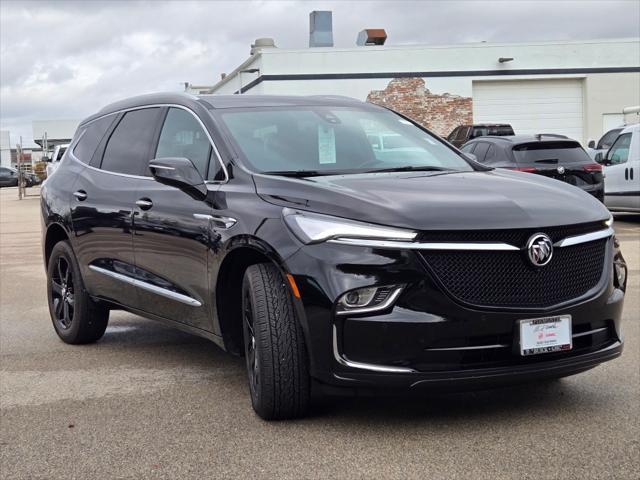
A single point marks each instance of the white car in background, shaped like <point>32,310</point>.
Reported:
<point>622,171</point>
<point>54,161</point>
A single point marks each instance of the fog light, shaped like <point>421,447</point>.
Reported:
<point>620,271</point>
<point>368,299</point>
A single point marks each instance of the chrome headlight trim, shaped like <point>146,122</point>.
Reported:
<point>312,228</point>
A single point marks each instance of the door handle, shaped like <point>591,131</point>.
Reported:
<point>631,173</point>
<point>626,174</point>
<point>81,195</point>
<point>144,203</point>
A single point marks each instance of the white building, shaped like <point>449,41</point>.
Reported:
<point>574,88</point>
<point>5,148</point>
<point>56,132</point>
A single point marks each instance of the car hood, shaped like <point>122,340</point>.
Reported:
<point>438,200</point>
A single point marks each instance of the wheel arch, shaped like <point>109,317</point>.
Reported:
<point>242,252</point>
<point>55,233</point>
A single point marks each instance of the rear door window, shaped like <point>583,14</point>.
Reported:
<point>468,147</point>
<point>128,150</point>
<point>90,138</point>
<point>481,151</point>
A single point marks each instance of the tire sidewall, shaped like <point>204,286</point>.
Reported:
<point>63,249</point>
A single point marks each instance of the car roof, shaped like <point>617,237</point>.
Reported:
<point>631,128</point>
<point>519,139</point>
<point>226,101</point>
<point>248,101</point>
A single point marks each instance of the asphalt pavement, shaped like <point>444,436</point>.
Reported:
<point>151,402</point>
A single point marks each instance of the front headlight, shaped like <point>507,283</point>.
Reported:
<point>609,222</point>
<point>315,228</point>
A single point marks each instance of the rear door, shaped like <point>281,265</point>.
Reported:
<point>103,201</point>
<point>172,228</point>
<point>8,178</point>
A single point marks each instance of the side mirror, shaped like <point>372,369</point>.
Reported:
<point>470,156</point>
<point>591,144</point>
<point>178,172</point>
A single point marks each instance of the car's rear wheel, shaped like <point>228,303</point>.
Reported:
<point>75,316</point>
<point>275,351</point>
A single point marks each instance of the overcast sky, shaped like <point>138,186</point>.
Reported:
<point>67,59</point>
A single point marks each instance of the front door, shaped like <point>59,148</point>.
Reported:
<point>172,229</point>
<point>622,181</point>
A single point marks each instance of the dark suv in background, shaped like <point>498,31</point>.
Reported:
<point>554,156</point>
<point>274,228</point>
<point>463,133</point>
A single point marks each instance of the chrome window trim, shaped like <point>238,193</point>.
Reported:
<point>584,238</point>
<point>363,366</point>
<point>147,286</point>
<point>169,105</point>
<point>389,300</point>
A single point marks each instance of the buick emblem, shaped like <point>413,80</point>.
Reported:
<point>560,170</point>
<point>539,249</point>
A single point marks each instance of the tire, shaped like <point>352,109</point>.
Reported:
<point>275,351</point>
<point>76,318</point>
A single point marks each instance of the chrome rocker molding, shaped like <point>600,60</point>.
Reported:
<point>149,287</point>
<point>478,246</point>
<point>363,366</point>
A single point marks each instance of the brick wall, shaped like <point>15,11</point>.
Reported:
<point>410,96</point>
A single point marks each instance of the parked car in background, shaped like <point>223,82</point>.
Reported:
<point>604,143</point>
<point>622,171</point>
<point>554,156</point>
<point>464,133</point>
<point>9,178</point>
<point>56,157</point>
<point>271,226</point>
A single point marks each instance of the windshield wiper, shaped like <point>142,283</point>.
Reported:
<point>299,173</point>
<point>411,168</point>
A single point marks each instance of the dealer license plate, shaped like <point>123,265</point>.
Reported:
<point>546,334</point>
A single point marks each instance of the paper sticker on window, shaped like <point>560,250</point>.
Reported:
<point>326,145</point>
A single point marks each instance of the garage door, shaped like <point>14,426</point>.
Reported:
<point>531,106</point>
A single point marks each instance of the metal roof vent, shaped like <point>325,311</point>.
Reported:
<point>261,43</point>
<point>371,36</point>
<point>320,29</point>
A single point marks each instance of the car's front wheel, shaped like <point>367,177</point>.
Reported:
<point>75,316</point>
<point>275,351</point>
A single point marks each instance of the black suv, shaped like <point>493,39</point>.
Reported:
<point>554,156</point>
<point>271,226</point>
<point>463,133</point>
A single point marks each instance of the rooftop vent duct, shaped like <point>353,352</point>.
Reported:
<point>261,43</point>
<point>320,29</point>
<point>371,36</point>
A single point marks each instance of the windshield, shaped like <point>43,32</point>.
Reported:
<point>334,140</point>
<point>556,153</point>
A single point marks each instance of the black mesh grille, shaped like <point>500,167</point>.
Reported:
<point>506,278</point>
<point>517,237</point>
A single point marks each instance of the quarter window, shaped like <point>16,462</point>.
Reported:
<point>183,136</point>
<point>90,139</point>
<point>128,148</point>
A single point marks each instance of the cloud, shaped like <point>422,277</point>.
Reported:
<point>67,59</point>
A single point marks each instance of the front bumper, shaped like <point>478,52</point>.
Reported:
<point>428,339</point>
